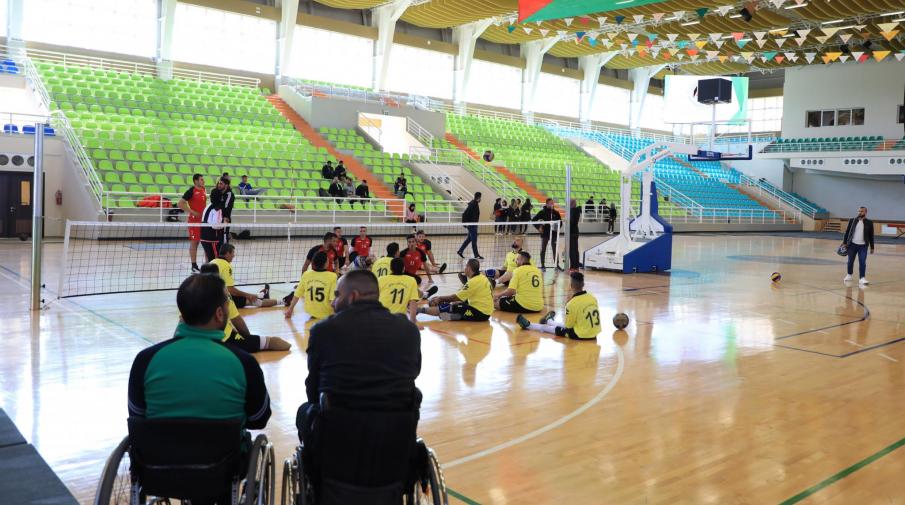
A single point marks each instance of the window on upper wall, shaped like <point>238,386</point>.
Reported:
<point>494,84</point>
<point>837,117</point>
<point>611,105</point>
<point>556,95</point>
<point>900,117</point>
<point>116,26</point>
<point>765,114</point>
<point>348,61</point>
<point>224,39</point>
<point>419,71</point>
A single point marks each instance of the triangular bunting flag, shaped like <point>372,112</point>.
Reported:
<point>799,2</point>
<point>619,19</point>
<point>666,56</point>
<point>601,20</point>
<point>584,20</point>
<point>864,57</point>
<point>747,54</point>
<point>592,41</point>
<point>568,21</point>
<point>672,50</point>
<point>510,28</point>
<point>724,10</point>
<point>702,11</point>
<point>768,55</point>
<point>701,44</point>
<point>750,59</point>
<point>678,15</point>
<point>623,46</point>
<point>716,36</point>
<point>780,41</point>
<point>800,40</point>
<point>712,54</point>
<point>649,44</point>
<point>682,44</point>
<point>738,35</point>
<point>642,53</point>
<point>527,29</point>
<point>608,43</point>
<point>777,3</point>
<point>865,35</point>
<point>672,36</point>
<point>632,36</point>
<point>844,58</point>
<point>789,55</point>
<point>612,35</point>
<point>694,57</point>
<point>859,27</point>
<point>899,56</point>
<point>656,51</point>
<point>834,55</point>
<point>691,52</point>
<point>722,58</point>
<point>638,18</point>
<point>881,55</point>
<point>760,43</point>
<point>693,36</point>
<point>759,35</point>
<point>829,31</point>
<point>657,16</point>
<point>631,52</point>
<point>651,36</point>
<point>857,55</point>
<point>794,57</point>
<point>681,56</point>
<point>803,33</point>
<point>822,40</point>
<point>579,35</point>
<point>779,59</point>
<point>561,33</point>
<point>886,27</point>
<point>844,37</point>
<point>889,35</point>
<point>810,57</point>
<point>826,59</point>
<point>720,43</point>
<point>741,43</point>
<point>543,32</point>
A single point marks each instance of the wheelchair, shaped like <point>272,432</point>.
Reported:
<point>372,458</point>
<point>195,461</point>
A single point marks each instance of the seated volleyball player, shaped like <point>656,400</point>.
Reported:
<point>381,267</point>
<point>318,287</point>
<point>414,259</point>
<point>236,331</point>
<point>239,297</point>
<point>504,275</point>
<point>425,245</point>
<point>474,302</point>
<point>582,315</point>
<point>341,246</point>
<point>399,292</point>
<point>526,288</point>
<point>328,248</point>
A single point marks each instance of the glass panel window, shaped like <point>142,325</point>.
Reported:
<point>25,193</point>
<point>347,62</point>
<point>494,84</point>
<point>858,117</point>
<point>419,71</point>
<point>611,105</point>
<point>556,95</point>
<point>116,26</point>
<point>828,118</point>
<point>814,119</point>
<point>844,117</point>
<point>224,39</point>
<point>901,116</point>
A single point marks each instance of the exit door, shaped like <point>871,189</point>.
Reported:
<point>15,204</point>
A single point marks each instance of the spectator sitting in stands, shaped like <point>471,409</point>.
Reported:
<point>589,205</point>
<point>336,190</point>
<point>327,171</point>
<point>410,215</point>
<point>400,187</point>
<point>350,189</point>
<point>246,189</point>
<point>363,192</point>
<point>340,170</point>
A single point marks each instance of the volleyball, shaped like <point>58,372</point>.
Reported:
<point>776,277</point>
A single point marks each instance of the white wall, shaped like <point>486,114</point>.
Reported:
<point>842,194</point>
<point>773,170</point>
<point>875,86</point>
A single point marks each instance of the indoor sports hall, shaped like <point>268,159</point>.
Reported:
<point>510,252</point>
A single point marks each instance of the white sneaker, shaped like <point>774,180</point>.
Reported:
<point>847,278</point>
<point>864,281</point>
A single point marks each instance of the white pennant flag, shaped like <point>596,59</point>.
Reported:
<point>568,21</point>
<point>861,27</point>
<point>527,30</point>
<point>657,16</point>
<point>899,56</point>
<point>794,58</point>
<point>716,36</point>
<point>857,55</point>
<point>760,43</point>
<point>800,40</point>
<point>759,35</point>
<point>845,37</point>
<point>803,33</point>
<point>678,15</point>
<point>887,27</point>
<point>681,56</point>
<point>712,54</point>
<point>632,36</point>
<point>608,43</point>
<point>638,18</point>
<point>844,58</point>
<point>763,58</point>
<point>720,43</point>
<point>724,10</point>
<point>777,3</point>
<point>672,36</point>
<point>623,46</point>
<point>601,20</point>
<point>829,31</point>
<point>544,32</point>
<point>780,41</point>
<point>751,59</point>
<point>789,56</point>
<point>655,51</point>
<point>809,57</point>
<point>694,57</point>
<point>822,39</point>
<point>693,36</point>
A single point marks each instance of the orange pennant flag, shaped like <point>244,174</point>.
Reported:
<point>833,56</point>
<point>890,34</point>
<point>881,55</point>
<point>779,59</point>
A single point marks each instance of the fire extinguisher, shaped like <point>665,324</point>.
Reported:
<point>58,196</point>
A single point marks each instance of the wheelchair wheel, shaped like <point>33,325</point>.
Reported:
<point>259,485</point>
<point>431,490</point>
<point>296,489</point>
<point>116,486</point>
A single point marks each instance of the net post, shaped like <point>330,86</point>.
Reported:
<point>65,265</point>
<point>37,218</point>
<point>568,203</point>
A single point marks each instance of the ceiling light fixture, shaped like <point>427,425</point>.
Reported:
<point>898,20</point>
<point>735,16</point>
<point>690,23</point>
<point>832,22</point>
<point>894,13</point>
<point>796,6</point>
<point>624,2</point>
<point>778,30</point>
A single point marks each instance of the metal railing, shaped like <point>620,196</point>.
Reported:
<point>308,89</point>
<point>784,198</point>
<point>744,216</point>
<point>20,120</point>
<point>439,177</point>
<point>255,207</point>
<point>418,132</point>
<point>367,125</point>
<point>487,175</point>
<point>63,127</point>
<point>444,211</point>
<point>883,145</point>
<point>132,67</point>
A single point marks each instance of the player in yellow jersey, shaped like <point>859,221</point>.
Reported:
<point>526,288</point>
<point>239,297</point>
<point>474,302</point>
<point>582,315</point>
<point>236,331</point>
<point>399,292</point>
<point>318,287</point>
<point>504,275</point>
<point>381,267</point>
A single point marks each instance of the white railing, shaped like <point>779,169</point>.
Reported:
<point>444,211</point>
<point>140,68</point>
<point>369,127</point>
<point>209,112</point>
<point>487,175</point>
<point>337,92</point>
<point>836,146</point>
<point>251,208</point>
<point>762,187</point>
<point>20,120</point>
<point>63,128</point>
<point>418,132</point>
<point>744,216</point>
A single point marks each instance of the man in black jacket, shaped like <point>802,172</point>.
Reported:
<point>363,192</point>
<point>612,216</point>
<point>327,171</point>
<point>548,213</point>
<point>472,214</point>
<point>859,234</point>
<point>363,357</point>
<point>574,219</point>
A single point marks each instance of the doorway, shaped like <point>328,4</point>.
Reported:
<point>15,204</point>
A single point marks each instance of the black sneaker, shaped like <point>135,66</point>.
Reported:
<point>442,268</point>
<point>265,293</point>
<point>195,269</point>
<point>548,317</point>
<point>479,257</point>
<point>287,300</point>
<point>431,291</point>
<point>523,321</point>
<point>460,254</point>
<point>462,278</point>
<point>492,283</point>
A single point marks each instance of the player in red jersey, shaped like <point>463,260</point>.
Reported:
<point>414,259</point>
<point>425,246</point>
<point>361,243</point>
<point>193,202</point>
<point>340,246</point>
<point>329,248</point>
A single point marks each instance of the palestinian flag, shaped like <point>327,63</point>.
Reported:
<point>542,10</point>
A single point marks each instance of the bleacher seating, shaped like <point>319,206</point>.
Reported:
<point>539,157</point>
<point>148,136</point>
<point>386,166</point>
<point>448,153</point>
<point>8,66</point>
<point>829,144</point>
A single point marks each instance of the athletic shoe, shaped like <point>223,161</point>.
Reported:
<point>460,254</point>
<point>548,317</point>
<point>442,268</point>
<point>479,257</point>
<point>277,344</point>
<point>847,278</point>
<point>864,281</point>
<point>492,284</point>
<point>523,321</point>
<point>195,269</point>
<point>431,291</point>
<point>265,293</point>
<point>462,278</point>
<point>287,300</point>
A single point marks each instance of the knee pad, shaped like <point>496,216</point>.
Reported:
<point>444,307</point>
<point>490,272</point>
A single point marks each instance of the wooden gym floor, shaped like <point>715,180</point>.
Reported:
<point>725,388</point>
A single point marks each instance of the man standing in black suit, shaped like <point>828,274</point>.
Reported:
<point>859,234</point>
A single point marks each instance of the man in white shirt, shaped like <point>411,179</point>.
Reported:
<point>859,234</point>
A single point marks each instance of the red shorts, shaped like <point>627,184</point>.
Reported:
<point>194,231</point>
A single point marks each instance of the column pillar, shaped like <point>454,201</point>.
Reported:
<point>640,78</point>
<point>465,36</point>
<point>289,11</point>
<point>533,51</point>
<point>384,19</point>
<point>590,66</point>
<point>14,20</point>
<point>166,16</point>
